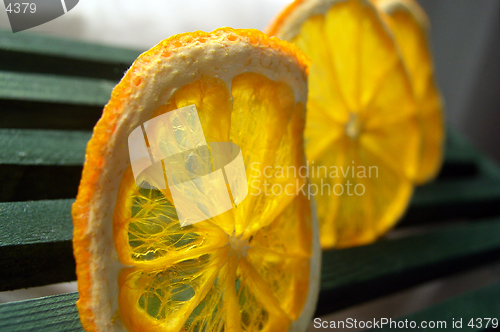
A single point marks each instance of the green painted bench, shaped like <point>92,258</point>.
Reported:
<point>51,94</point>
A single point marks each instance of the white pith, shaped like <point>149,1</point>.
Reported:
<point>290,26</point>
<point>392,6</point>
<point>292,23</point>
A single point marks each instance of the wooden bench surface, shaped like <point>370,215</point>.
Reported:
<point>51,94</point>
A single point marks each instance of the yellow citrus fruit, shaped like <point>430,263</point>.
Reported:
<point>362,136</point>
<point>254,267</point>
<point>409,24</point>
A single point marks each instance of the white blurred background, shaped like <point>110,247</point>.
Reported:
<point>142,24</point>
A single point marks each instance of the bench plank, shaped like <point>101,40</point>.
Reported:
<point>468,186</point>
<point>354,275</point>
<point>43,147</point>
<point>35,222</point>
<point>35,244</point>
<point>50,314</point>
<point>59,313</point>
<point>33,142</point>
<point>45,55</point>
<point>39,44</point>
<point>482,303</point>
<point>50,88</point>
<point>448,200</point>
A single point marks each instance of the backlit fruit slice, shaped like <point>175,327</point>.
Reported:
<point>362,136</point>
<point>409,24</point>
<point>254,267</point>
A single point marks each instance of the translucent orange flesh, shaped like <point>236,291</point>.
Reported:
<point>244,270</point>
<point>412,40</point>
<point>362,135</point>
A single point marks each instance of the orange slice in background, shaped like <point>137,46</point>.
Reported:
<point>410,26</point>
<point>362,135</point>
<point>254,267</point>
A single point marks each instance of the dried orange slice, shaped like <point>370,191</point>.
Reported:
<point>410,25</point>
<point>362,136</point>
<point>254,267</point>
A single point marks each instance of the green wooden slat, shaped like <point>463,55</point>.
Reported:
<point>461,154</point>
<point>460,159</point>
<point>457,149</point>
<point>39,44</point>
<point>47,314</point>
<point>46,55</point>
<point>43,147</point>
<point>468,187</point>
<point>457,192</point>
<point>488,166</point>
<point>40,164</point>
<point>35,243</point>
<point>347,266</point>
<point>482,303</point>
<point>59,313</point>
<point>51,141</point>
<point>23,223</point>
<point>80,91</point>
<point>354,275</point>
